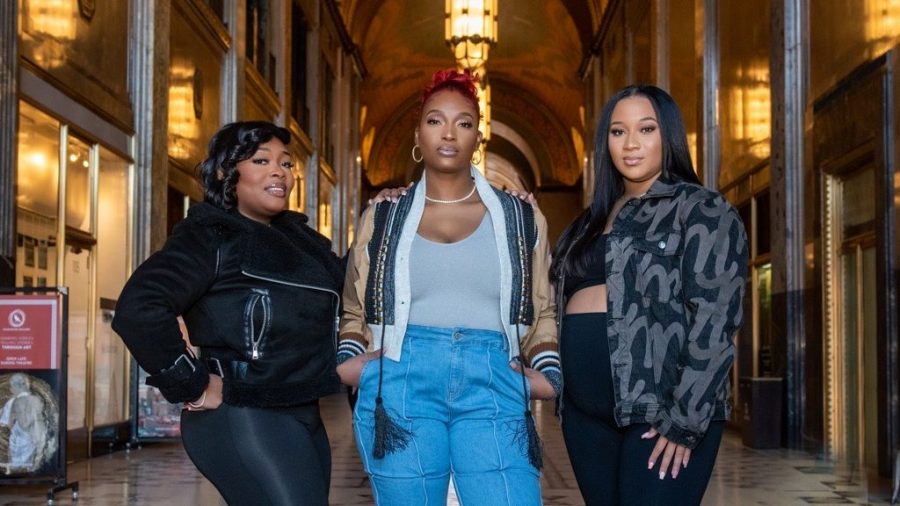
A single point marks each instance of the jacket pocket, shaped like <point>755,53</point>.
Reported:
<point>666,244</point>
<point>657,261</point>
<point>257,321</point>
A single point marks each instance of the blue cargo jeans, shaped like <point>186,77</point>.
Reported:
<point>454,390</point>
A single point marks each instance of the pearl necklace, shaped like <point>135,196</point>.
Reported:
<point>454,201</point>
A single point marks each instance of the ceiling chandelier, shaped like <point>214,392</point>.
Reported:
<point>470,31</point>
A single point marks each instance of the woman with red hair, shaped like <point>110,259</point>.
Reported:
<point>448,286</point>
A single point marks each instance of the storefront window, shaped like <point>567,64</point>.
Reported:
<point>78,185</point>
<point>88,254</point>
<point>110,355</point>
<point>38,188</point>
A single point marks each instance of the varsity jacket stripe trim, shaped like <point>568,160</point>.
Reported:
<point>351,346</point>
<point>545,360</point>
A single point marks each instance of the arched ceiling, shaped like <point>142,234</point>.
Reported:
<point>535,88</point>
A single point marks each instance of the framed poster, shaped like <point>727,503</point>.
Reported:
<point>32,386</point>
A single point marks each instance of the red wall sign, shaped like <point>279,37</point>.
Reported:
<point>29,329</point>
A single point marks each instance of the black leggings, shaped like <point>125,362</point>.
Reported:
<point>261,456</point>
<point>610,462</point>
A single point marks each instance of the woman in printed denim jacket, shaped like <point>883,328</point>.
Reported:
<point>650,281</point>
<point>449,286</point>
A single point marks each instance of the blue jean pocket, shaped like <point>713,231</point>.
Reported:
<point>363,374</point>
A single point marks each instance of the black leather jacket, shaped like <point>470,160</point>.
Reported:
<point>261,299</point>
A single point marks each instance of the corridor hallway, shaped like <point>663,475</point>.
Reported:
<point>158,474</point>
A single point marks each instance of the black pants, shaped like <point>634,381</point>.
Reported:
<point>610,462</point>
<point>261,456</point>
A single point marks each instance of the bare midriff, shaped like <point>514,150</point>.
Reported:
<point>591,299</point>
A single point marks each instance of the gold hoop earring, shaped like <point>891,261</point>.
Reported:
<point>480,156</point>
<point>421,156</point>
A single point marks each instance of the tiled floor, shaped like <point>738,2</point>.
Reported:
<point>161,474</point>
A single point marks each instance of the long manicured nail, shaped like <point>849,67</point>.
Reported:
<point>662,475</point>
<point>650,465</point>
<point>645,435</point>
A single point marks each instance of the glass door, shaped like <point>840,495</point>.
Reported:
<point>110,357</point>
<point>857,312</point>
<point>78,275</point>
<point>860,358</point>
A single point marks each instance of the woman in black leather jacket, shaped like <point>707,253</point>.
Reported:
<point>258,291</point>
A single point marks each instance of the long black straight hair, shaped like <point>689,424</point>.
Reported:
<point>571,255</point>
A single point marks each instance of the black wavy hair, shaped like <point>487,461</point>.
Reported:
<point>232,144</point>
<point>571,255</point>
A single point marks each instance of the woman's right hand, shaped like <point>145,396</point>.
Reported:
<point>391,194</point>
<point>351,369</point>
<point>211,398</point>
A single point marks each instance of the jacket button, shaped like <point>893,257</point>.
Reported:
<point>662,244</point>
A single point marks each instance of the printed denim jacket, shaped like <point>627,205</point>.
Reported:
<point>676,263</point>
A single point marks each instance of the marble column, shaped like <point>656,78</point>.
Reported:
<point>788,51</point>
<point>708,144</point>
<point>9,111</point>
<point>150,96</point>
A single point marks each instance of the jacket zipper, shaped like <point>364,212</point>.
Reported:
<point>337,300</point>
<point>259,297</point>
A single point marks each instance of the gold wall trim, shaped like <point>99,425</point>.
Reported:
<point>91,122</point>
<point>259,91</point>
<point>327,171</point>
<point>301,137</point>
<point>184,181</point>
<point>88,94</point>
<point>202,16</point>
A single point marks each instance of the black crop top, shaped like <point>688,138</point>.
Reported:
<point>596,269</point>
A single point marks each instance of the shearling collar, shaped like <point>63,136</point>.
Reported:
<point>288,250</point>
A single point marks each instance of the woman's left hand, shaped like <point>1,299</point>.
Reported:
<point>541,389</point>
<point>672,453</point>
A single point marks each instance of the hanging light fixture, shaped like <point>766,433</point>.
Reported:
<point>484,103</point>
<point>470,31</point>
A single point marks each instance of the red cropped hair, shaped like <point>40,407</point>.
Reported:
<point>464,82</point>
